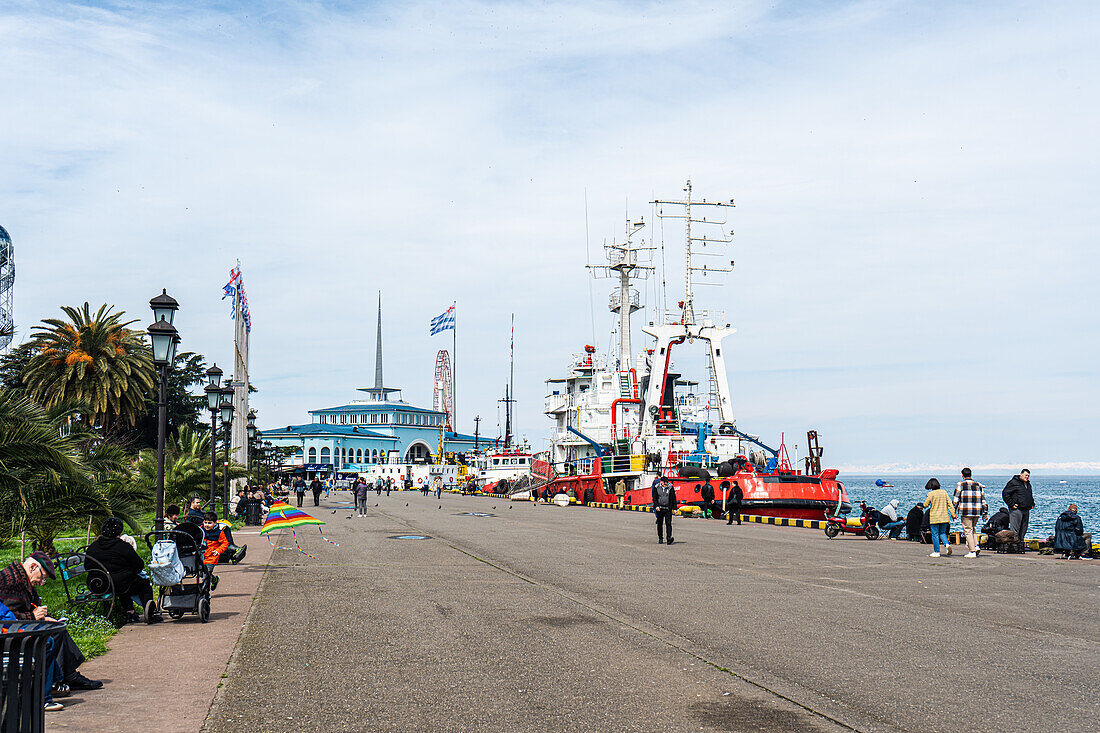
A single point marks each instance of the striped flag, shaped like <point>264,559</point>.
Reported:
<point>444,321</point>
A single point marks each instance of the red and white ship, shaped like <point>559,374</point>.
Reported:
<point>633,417</point>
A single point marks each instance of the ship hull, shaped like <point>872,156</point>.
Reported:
<point>784,495</point>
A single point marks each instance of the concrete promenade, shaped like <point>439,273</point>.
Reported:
<point>548,619</point>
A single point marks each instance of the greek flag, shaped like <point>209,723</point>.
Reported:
<point>444,322</point>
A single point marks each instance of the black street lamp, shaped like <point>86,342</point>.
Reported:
<point>213,397</point>
<point>164,338</point>
<point>226,409</point>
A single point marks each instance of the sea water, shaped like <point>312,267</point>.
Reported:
<point>1052,493</point>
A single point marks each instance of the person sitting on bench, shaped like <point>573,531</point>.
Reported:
<point>217,543</point>
<point>194,510</point>
<point>125,566</point>
<point>17,592</point>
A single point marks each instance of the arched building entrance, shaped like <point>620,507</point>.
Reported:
<point>418,452</point>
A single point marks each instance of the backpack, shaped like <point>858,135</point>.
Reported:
<point>165,565</point>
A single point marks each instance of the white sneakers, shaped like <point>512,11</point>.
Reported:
<point>933,554</point>
<point>971,554</point>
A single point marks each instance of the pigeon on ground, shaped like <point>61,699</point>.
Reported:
<point>376,505</point>
<point>333,511</point>
<point>406,503</point>
<point>440,506</point>
<point>494,507</point>
<point>348,517</point>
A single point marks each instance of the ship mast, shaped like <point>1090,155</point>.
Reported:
<point>623,263</point>
<point>697,245</point>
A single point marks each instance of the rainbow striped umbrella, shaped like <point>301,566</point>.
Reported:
<point>284,516</point>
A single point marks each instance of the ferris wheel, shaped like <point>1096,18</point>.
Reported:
<point>443,394</point>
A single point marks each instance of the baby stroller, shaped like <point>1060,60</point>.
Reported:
<point>178,570</point>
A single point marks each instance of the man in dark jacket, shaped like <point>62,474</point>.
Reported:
<point>17,582</point>
<point>733,497</point>
<point>1017,495</point>
<point>913,522</point>
<point>707,494</point>
<point>124,565</point>
<point>664,503</point>
<point>194,511</point>
<point>316,487</point>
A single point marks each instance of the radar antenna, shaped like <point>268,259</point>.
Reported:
<point>697,246</point>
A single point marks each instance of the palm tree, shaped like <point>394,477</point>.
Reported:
<point>31,446</point>
<point>92,359</point>
<point>55,472</point>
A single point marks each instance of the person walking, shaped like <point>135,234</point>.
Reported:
<point>664,503</point>
<point>707,494</point>
<point>940,514</point>
<point>389,485</point>
<point>620,493</point>
<point>1017,494</point>
<point>969,502</point>
<point>378,486</point>
<point>437,484</point>
<point>361,490</point>
<point>733,497</point>
<point>329,485</point>
<point>300,490</point>
<point>315,486</point>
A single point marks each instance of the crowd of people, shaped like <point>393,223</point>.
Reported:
<point>1005,530</point>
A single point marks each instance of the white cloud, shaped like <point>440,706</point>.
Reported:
<point>915,227</point>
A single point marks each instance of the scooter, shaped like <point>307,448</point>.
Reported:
<point>864,524</point>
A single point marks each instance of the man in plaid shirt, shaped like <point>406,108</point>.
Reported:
<point>970,503</point>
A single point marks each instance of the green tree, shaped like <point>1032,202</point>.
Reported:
<point>93,360</point>
<point>12,366</point>
<point>186,468</point>
<point>55,471</point>
<point>184,408</point>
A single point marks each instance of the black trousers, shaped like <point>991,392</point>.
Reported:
<point>301,495</point>
<point>132,586</point>
<point>709,508</point>
<point>69,656</point>
<point>664,521</point>
<point>734,513</point>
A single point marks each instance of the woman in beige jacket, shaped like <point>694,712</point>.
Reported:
<point>940,514</point>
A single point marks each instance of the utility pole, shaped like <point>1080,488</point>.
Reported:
<point>477,428</point>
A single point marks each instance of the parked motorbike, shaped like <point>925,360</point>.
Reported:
<point>864,524</point>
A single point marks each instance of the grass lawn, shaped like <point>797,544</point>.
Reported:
<point>90,630</point>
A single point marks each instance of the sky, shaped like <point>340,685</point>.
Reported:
<point>915,233</point>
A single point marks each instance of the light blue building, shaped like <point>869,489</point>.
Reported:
<point>382,428</point>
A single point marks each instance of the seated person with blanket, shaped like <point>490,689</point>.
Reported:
<point>1070,537</point>
<point>126,568</point>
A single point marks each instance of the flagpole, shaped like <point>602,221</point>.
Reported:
<point>454,371</point>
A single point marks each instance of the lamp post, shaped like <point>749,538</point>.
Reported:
<point>213,398</point>
<point>226,409</point>
<point>164,338</point>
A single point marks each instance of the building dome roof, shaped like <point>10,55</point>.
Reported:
<point>4,236</point>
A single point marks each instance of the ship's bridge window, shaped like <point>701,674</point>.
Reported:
<point>496,461</point>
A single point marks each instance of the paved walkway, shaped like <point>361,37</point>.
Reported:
<point>163,677</point>
<point>539,618</point>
